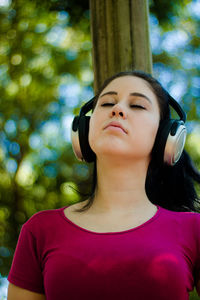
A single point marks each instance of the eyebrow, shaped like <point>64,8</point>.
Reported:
<point>131,94</point>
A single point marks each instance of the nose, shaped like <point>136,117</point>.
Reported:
<point>118,111</point>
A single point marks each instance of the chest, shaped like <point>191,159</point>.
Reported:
<point>113,223</point>
<point>119,265</point>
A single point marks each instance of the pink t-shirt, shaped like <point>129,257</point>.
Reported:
<point>159,259</point>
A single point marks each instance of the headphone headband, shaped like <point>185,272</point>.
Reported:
<point>177,107</point>
<point>87,107</point>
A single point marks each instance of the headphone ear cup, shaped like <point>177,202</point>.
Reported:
<point>75,139</point>
<point>88,154</point>
<point>169,142</point>
<point>80,142</point>
<point>175,143</point>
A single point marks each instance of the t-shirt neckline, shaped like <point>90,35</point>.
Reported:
<point>155,216</point>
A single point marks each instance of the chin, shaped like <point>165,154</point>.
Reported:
<point>113,153</point>
<point>123,155</point>
<point>109,149</point>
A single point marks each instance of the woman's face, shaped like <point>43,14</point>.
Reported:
<point>125,120</point>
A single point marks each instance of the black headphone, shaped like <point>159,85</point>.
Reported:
<point>169,142</point>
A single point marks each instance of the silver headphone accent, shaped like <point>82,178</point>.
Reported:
<point>76,145</point>
<point>174,146</point>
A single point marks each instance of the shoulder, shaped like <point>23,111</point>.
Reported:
<point>180,214</point>
<point>43,220</point>
<point>184,229</point>
<point>185,219</point>
<point>43,215</point>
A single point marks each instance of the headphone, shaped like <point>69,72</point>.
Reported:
<point>169,142</point>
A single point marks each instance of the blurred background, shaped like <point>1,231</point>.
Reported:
<point>46,74</point>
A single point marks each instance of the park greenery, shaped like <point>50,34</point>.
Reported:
<point>46,73</point>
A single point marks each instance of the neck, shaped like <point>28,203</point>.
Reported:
<point>121,187</point>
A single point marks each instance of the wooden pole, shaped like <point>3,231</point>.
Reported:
<point>120,36</point>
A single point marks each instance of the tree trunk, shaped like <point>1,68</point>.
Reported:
<point>120,35</point>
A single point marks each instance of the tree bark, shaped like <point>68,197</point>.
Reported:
<point>120,36</point>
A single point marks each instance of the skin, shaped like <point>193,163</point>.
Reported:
<point>123,158</point>
<point>120,200</point>
<point>17,293</point>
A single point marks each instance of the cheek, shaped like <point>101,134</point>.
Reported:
<point>149,129</point>
<point>153,130</point>
<point>154,124</point>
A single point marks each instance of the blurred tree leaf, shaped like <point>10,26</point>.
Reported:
<point>42,58</point>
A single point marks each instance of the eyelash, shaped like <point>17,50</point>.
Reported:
<point>138,106</point>
<point>134,105</point>
<point>107,104</point>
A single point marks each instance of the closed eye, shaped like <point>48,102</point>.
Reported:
<point>133,105</point>
<point>107,104</point>
<point>138,106</point>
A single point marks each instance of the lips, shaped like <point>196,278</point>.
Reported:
<point>116,124</point>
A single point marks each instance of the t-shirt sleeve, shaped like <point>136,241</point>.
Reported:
<point>25,271</point>
<point>197,231</point>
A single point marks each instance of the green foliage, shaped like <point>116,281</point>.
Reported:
<point>166,11</point>
<point>194,295</point>
<point>42,57</point>
<point>176,56</point>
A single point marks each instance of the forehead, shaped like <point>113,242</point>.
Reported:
<point>129,84</point>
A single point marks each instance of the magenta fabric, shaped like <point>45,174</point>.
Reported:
<point>159,259</point>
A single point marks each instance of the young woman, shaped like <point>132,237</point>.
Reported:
<point>138,235</point>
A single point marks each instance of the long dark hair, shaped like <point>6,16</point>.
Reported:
<point>170,187</point>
